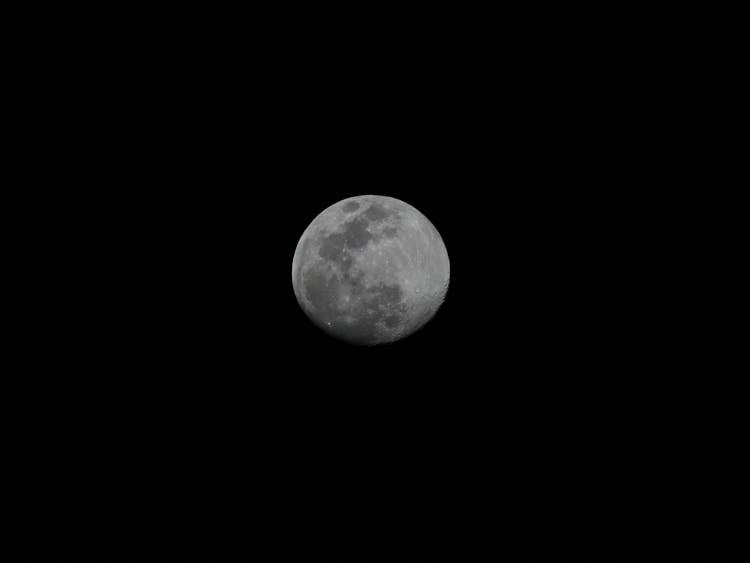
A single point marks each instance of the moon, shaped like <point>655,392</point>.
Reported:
<point>370,270</point>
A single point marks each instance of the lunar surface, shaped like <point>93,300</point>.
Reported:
<point>370,270</point>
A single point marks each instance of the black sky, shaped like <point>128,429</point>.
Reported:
<point>579,391</point>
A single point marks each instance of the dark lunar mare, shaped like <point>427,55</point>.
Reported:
<point>354,236</point>
<point>380,304</point>
<point>322,292</point>
<point>377,212</point>
<point>384,304</point>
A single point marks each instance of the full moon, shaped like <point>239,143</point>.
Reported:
<point>370,270</point>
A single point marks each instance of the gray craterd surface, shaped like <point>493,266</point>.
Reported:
<point>370,269</point>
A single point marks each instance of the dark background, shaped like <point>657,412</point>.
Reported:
<point>579,392</point>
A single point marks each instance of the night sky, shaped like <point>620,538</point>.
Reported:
<point>579,392</point>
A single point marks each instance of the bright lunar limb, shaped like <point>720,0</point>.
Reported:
<point>370,269</point>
